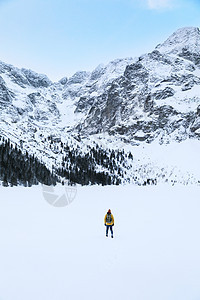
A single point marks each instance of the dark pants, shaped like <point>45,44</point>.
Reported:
<point>111,229</point>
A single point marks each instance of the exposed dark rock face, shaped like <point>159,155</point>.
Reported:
<point>36,80</point>
<point>5,94</point>
<point>187,54</point>
<point>163,94</point>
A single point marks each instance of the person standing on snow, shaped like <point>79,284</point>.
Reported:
<point>109,222</point>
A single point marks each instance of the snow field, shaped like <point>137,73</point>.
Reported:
<point>62,253</point>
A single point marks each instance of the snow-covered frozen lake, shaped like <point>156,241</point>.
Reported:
<point>62,253</point>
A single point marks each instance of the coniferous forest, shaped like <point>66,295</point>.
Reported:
<point>95,166</point>
<point>17,168</point>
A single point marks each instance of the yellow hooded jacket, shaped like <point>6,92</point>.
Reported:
<point>111,223</point>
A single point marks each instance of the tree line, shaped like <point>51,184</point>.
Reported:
<point>17,168</point>
<point>94,166</point>
<point>97,166</point>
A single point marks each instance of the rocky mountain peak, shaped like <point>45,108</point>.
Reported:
<point>78,78</point>
<point>185,39</point>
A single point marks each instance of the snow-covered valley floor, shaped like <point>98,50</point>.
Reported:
<point>50,253</point>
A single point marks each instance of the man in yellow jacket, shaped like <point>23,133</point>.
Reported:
<point>109,222</point>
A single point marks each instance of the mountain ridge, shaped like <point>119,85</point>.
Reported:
<point>138,101</point>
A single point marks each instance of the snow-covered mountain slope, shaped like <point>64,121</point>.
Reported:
<point>158,95</point>
<point>35,100</point>
<point>185,42</point>
<point>150,99</point>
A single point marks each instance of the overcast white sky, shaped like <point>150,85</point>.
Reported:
<point>61,37</point>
